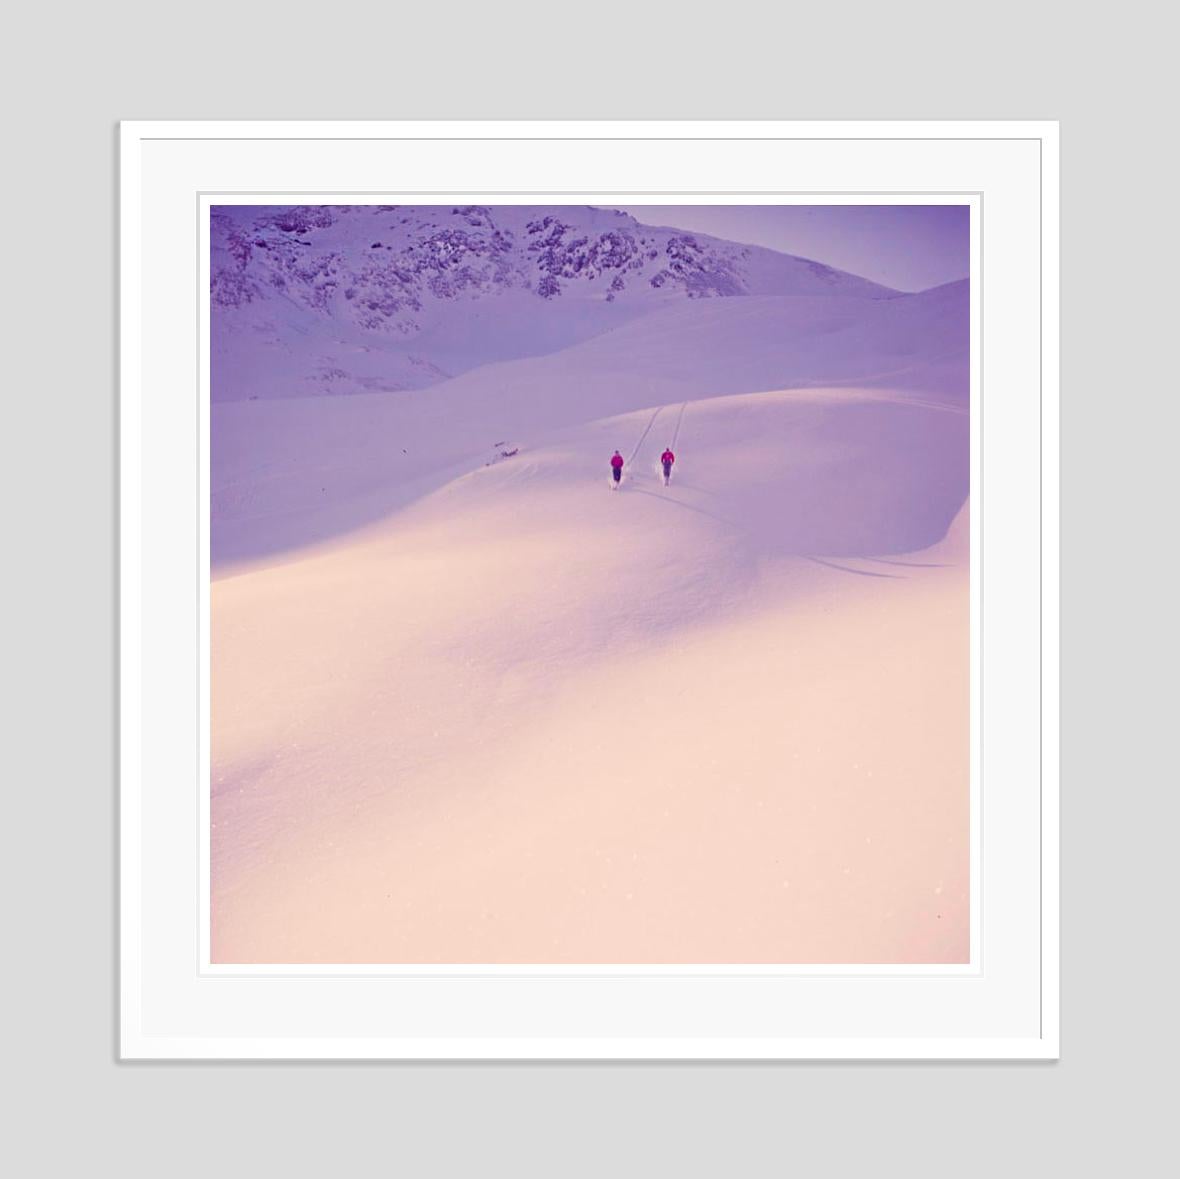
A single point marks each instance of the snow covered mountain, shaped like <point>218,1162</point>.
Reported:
<point>312,300</point>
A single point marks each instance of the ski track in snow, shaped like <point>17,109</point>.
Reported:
<point>646,431</point>
<point>679,423</point>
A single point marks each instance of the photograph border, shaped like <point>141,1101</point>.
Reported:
<point>974,965</point>
<point>135,135</point>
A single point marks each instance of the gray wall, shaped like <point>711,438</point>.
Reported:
<point>73,74</point>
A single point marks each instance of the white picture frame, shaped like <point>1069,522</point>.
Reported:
<point>176,1004</point>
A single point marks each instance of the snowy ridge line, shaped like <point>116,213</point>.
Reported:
<point>644,435</point>
<point>859,380</point>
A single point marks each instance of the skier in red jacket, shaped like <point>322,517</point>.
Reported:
<point>667,458</point>
<point>616,467</point>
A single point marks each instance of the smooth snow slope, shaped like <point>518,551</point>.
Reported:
<point>526,718</point>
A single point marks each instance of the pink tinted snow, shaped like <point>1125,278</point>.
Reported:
<point>473,708</point>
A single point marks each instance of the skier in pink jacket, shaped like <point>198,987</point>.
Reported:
<point>667,458</point>
<point>616,467</point>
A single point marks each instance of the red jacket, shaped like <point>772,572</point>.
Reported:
<point>667,457</point>
<point>617,461</point>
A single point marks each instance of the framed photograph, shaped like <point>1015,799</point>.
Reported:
<point>589,590</point>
